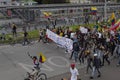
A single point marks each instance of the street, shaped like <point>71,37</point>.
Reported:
<point>14,63</point>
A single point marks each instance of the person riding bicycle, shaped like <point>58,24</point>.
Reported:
<point>35,74</point>
<point>36,64</point>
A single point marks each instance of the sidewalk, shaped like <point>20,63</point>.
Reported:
<point>108,73</point>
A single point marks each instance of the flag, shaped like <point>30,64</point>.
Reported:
<point>115,26</point>
<point>47,14</point>
<point>93,10</point>
<point>42,58</point>
<point>112,19</point>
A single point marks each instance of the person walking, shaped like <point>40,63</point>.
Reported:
<point>40,35</point>
<point>14,28</point>
<point>106,57</point>
<point>74,72</point>
<point>89,60</point>
<point>75,50</point>
<point>118,53</point>
<point>25,38</point>
<point>96,66</point>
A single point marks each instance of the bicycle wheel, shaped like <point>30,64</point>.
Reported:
<point>42,76</point>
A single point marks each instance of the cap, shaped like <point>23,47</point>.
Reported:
<point>72,65</point>
<point>87,51</point>
<point>95,54</point>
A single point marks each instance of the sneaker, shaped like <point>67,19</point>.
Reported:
<point>91,77</point>
<point>109,63</point>
<point>66,52</point>
<point>99,76</point>
<point>118,65</point>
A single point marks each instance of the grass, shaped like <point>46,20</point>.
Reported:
<point>10,39</point>
<point>76,27</point>
<point>34,34</point>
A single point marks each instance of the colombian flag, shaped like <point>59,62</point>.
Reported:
<point>115,26</point>
<point>47,14</point>
<point>112,19</point>
<point>42,58</point>
<point>93,10</point>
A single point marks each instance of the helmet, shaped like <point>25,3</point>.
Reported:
<point>72,65</point>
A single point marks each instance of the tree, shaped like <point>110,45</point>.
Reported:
<point>118,0</point>
<point>39,1</point>
<point>50,1</point>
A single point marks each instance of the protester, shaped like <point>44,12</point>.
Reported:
<point>96,66</point>
<point>40,35</point>
<point>25,37</point>
<point>76,49</point>
<point>14,28</point>
<point>118,53</point>
<point>106,57</point>
<point>89,60</point>
<point>74,72</point>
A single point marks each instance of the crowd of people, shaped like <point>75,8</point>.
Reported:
<point>95,46</point>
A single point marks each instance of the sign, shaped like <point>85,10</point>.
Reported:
<point>65,42</point>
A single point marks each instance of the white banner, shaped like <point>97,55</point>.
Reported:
<point>83,30</point>
<point>65,42</point>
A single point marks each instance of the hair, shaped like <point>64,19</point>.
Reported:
<point>35,57</point>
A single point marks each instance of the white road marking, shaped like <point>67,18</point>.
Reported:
<point>60,58</point>
<point>29,68</point>
<point>25,66</point>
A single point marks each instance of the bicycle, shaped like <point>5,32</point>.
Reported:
<point>36,74</point>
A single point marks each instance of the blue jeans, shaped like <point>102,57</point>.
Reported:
<point>94,71</point>
<point>75,53</point>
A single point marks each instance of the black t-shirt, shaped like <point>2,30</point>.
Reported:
<point>14,28</point>
<point>75,46</point>
<point>25,34</point>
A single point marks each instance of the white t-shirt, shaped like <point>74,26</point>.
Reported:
<point>72,35</point>
<point>99,35</point>
<point>74,73</point>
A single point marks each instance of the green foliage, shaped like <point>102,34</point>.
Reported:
<point>9,38</point>
<point>51,1</point>
<point>39,1</point>
<point>76,27</point>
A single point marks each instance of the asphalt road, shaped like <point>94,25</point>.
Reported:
<point>14,63</point>
<point>108,73</point>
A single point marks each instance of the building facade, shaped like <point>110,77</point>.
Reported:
<point>92,1</point>
<point>79,1</point>
<point>5,2</point>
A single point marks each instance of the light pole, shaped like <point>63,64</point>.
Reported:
<point>105,10</point>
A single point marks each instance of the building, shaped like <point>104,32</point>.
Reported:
<point>94,1</point>
<point>79,1</point>
<point>5,2</point>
